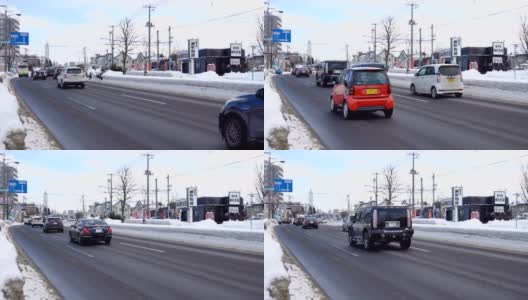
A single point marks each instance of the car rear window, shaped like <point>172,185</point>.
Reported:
<point>74,71</point>
<point>336,66</point>
<point>370,77</point>
<point>93,222</point>
<point>449,70</point>
<point>392,215</point>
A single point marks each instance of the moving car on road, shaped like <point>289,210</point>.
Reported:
<point>241,120</point>
<point>362,89</point>
<point>23,70</point>
<point>27,220</point>
<point>71,76</point>
<point>53,224</point>
<point>40,74</point>
<point>57,72</point>
<point>301,71</point>
<point>36,221</point>
<point>440,79</point>
<point>310,222</point>
<point>90,230</point>
<point>347,222</point>
<point>329,71</point>
<point>380,225</point>
<point>298,221</point>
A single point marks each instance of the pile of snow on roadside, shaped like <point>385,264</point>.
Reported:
<point>273,266</point>
<point>9,120</point>
<point>273,119</point>
<point>510,225</point>
<point>8,255</point>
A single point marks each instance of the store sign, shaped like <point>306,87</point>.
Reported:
<point>234,61</point>
<point>192,196</point>
<point>457,196</point>
<point>456,46</point>
<point>498,60</point>
<point>233,210</point>
<point>498,48</point>
<point>236,50</point>
<point>194,49</point>
<point>500,198</point>
<point>234,198</point>
<point>498,209</point>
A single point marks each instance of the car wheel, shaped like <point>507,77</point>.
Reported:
<point>44,230</point>
<point>367,243</point>
<point>413,89</point>
<point>405,244</point>
<point>351,240</point>
<point>333,107</point>
<point>81,242</point>
<point>317,82</point>
<point>434,93</point>
<point>234,133</point>
<point>82,86</point>
<point>388,113</point>
<point>71,238</point>
<point>58,84</point>
<point>346,111</point>
<point>107,242</point>
<point>458,95</point>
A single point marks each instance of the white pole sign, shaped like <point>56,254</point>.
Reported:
<point>500,198</point>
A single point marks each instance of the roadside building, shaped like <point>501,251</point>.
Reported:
<point>116,209</point>
<point>216,208</point>
<point>219,60</point>
<point>483,208</point>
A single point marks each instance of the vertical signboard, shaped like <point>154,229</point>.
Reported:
<point>457,196</point>
<point>192,201</point>
<point>194,52</point>
<point>456,47</point>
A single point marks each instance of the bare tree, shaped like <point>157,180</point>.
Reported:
<point>125,187</point>
<point>391,186</point>
<point>524,182</point>
<point>261,36</point>
<point>389,37</point>
<point>264,195</point>
<point>127,40</point>
<point>524,34</point>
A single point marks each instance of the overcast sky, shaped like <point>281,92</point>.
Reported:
<point>333,174</point>
<point>66,175</point>
<point>332,24</point>
<point>69,25</point>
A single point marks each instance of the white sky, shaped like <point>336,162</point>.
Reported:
<point>69,26</point>
<point>332,24</point>
<point>66,175</point>
<point>334,174</point>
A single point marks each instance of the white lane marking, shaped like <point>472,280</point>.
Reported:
<point>80,103</point>
<point>127,244</point>
<point>411,98</point>
<point>82,252</point>
<point>347,252</point>
<point>143,99</point>
<point>419,249</point>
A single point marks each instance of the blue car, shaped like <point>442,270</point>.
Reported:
<point>278,72</point>
<point>241,120</point>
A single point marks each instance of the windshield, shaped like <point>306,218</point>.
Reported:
<point>92,222</point>
<point>370,77</point>
<point>336,66</point>
<point>449,70</point>
<point>74,71</point>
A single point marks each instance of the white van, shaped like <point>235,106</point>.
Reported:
<point>440,79</point>
<point>23,70</point>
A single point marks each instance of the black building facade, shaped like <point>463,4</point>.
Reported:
<point>221,58</point>
<point>218,206</point>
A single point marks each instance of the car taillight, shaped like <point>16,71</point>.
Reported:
<point>85,231</point>
<point>109,230</point>
<point>375,219</point>
<point>351,91</point>
<point>408,218</point>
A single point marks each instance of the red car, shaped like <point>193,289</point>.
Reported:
<point>362,89</point>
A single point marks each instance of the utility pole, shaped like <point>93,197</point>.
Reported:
<point>434,189</point>
<point>270,170</point>
<point>251,210</point>
<point>112,45</point>
<point>432,44</point>
<point>421,195</point>
<point>84,54</point>
<point>82,205</point>
<point>6,21</point>
<point>157,49</point>
<point>375,41</point>
<point>168,197</point>
<point>412,23</point>
<point>149,25</point>
<point>253,56</point>
<point>413,173</point>
<point>156,196</point>
<point>148,173</point>
<point>348,203</point>
<point>111,192</point>
<point>376,188</point>
<point>4,168</point>
<point>346,50</point>
<point>420,47</point>
<point>170,58</point>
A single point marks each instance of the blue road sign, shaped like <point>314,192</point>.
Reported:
<point>281,36</point>
<point>283,185</point>
<point>19,39</point>
<point>17,186</point>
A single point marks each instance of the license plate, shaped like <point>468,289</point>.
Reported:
<point>451,80</point>
<point>98,230</point>
<point>392,224</point>
<point>371,91</point>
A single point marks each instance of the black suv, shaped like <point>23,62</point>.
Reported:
<point>328,72</point>
<point>380,225</point>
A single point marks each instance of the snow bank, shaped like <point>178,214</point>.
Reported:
<point>233,77</point>
<point>8,255</point>
<point>511,225</point>
<point>273,266</point>
<point>9,120</point>
<point>502,76</point>
<point>273,119</point>
<point>234,226</point>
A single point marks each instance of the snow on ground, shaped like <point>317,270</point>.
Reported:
<point>9,120</point>
<point>502,76</point>
<point>237,226</point>
<point>273,267</point>
<point>8,255</point>
<point>510,225</point>
<point>234,77</point>
<point>276,119</point>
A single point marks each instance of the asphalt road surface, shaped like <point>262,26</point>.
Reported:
<point>426,271</point>
<point>109,117</point>
<point>141,269</point>
<point>419,122</point>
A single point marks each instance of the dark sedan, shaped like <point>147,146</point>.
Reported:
<point>241,120</point>
<point>298,221</point>
<point>90,230</point>
<point>40,74</point>
<point>53,224</point>
<point>310,223</point>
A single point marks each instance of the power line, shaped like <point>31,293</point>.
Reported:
<point>221,18</point>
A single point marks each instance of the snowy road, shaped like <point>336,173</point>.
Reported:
<point>133,268</point>
<point>111,117</point>
<point>419,122</point>
<point>428,270</point>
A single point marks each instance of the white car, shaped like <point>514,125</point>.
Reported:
<point>37,221</point>
<point>71,76</point>
<point>441,79</point>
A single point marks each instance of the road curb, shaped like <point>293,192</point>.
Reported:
<point>474,246</point>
